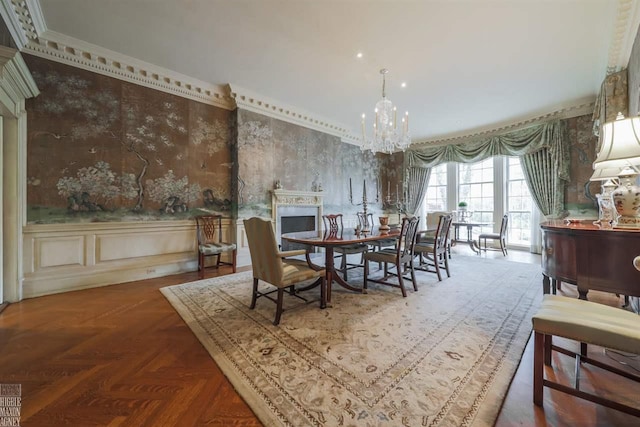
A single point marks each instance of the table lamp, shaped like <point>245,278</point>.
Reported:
<point>619,157</point>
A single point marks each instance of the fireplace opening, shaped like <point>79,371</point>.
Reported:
<point>292,224</point>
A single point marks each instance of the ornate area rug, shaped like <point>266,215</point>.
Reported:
<point>443,356</point>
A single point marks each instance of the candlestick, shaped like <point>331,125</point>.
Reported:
<point>363,132</point>
<point>377,189</point>
<point>350,190</point>
<point>395,121</point>
<point>364,190</point>
<point>388,188</point>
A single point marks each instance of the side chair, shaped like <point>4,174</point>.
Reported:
<point>433,252</point>
<point>209,240</point>
<point>433,218</point>
<point>501,237</point>
<point>367,221</point>
<point>273,267</point>
<point>333,224</point>
<point>400,257</point>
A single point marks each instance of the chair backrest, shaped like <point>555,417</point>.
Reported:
<point>408,234</point>
<point>332,223</point>
<point>365,221</point>
<point>265,259</point>
<point>440,239</point>
<point>504,225</point>
<point>206,227</point>
<point>433,218</point>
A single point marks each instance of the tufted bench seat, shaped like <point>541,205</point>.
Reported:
<point>585,322</point>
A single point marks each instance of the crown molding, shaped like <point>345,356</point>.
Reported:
<point>71,51</point>
<point>16,83</point>
<point>16,16</point>
<point>581,108</point>
<point>252,101</point>
<point>624,33</point>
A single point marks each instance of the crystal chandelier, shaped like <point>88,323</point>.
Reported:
<point>387,137</point>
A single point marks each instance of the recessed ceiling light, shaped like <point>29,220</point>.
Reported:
<point>403,84</point>
<point>359,55</point>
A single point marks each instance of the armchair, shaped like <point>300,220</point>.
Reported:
<point>273,267</point>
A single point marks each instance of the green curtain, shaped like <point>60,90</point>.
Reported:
<point>417,181</point>
<point>546,173</point>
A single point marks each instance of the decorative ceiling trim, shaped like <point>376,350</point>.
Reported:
<point>16,82</point>
<point>68,50</point>
<point>624,33</point>
<point>13,14</point>
<point>579,109</point>
<point>249,100</point>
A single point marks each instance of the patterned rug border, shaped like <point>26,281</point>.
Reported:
<point>484,409</point>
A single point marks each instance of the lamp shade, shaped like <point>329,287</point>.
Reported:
<point>604,174</point>
<point>620,144</point>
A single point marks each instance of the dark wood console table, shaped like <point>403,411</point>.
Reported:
<point>590,257</point>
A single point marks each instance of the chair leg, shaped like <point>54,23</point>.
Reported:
<point>399,271</point>
<point>279,306</point>
<point>436,263</point>
<point>413,277</point>
<point>446,265</point>
<point>200,265</point>
<point>503,246</point>
<point>538,368</point>
<point>343,266</point>
<point>233,256</point>
<point>366,274</point>
<point>254,294</point>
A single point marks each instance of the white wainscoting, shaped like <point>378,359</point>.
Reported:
<point>65,257</point>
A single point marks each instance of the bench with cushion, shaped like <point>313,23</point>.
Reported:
<point>588,323</point>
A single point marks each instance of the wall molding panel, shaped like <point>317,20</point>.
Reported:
<point>65,257</point>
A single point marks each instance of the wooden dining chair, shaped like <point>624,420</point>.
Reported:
<point>432,253</point>
<point>210,243</point>
<point>334,225</point>
<point>501,237</point>
<point>275,268</point>
<point>367,221</point>
<point>399,257</point>
<point>433,218</point>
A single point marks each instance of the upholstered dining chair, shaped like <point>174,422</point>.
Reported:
<point>433,218</point>
<point>273,267</point>
<point>400,257</point>
<point>501,237</point>
<point>367,221</point>
<point>333,224</point>
<point>432,253</point>
<point>209,236</point>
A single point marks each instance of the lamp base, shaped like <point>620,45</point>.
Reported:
<point>627,222</point>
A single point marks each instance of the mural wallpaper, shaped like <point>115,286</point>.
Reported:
<point>302,159</point>
<point>100,149</point>
<point>580,193</point>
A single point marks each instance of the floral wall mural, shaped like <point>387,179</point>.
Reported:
<point>100,149</point>
<point>580,193</point>
<point>303,159</point>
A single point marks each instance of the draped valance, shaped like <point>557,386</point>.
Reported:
<point>551,136</point>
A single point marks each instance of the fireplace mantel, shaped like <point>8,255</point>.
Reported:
<point>294,203</point>
<point>295,198</point>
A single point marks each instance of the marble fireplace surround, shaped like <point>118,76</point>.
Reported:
<point>287,203</point>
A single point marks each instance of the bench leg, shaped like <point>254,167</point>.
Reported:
<point>548,342</point>
<point>538,368</point>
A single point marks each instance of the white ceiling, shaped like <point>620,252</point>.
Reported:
<point>469,65</point>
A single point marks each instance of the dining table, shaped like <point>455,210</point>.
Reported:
<point>330,240</point>
<point>469,225</point>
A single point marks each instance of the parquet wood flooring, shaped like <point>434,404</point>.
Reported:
<point>121,356</point>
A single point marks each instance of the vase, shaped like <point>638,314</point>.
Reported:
<point>384,223</point>
<point>626,199</point>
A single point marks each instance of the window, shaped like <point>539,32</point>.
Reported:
<point>519,204</point>
<point>475,186</point>
<point>491,188</point>
<point>436,198</point>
